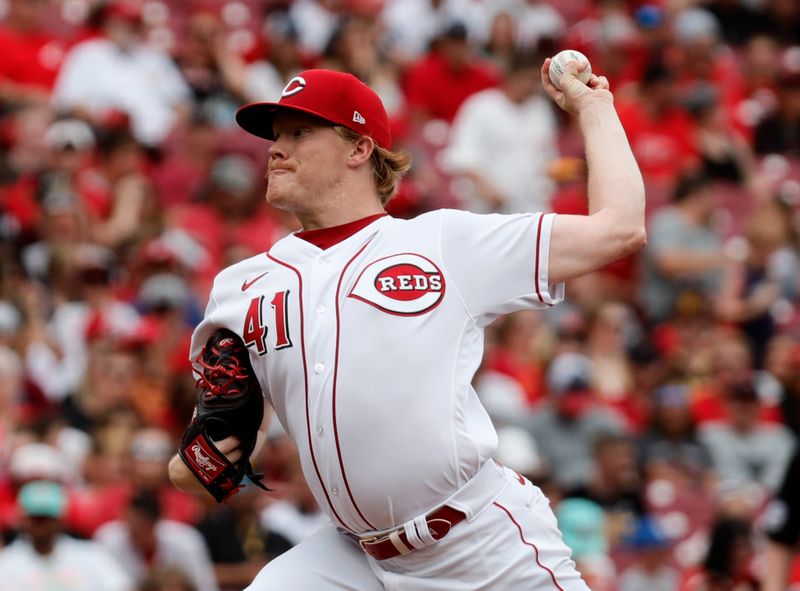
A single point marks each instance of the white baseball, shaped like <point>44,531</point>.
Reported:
<point>559,61</point>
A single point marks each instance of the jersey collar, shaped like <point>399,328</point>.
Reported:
<point>324,238</point>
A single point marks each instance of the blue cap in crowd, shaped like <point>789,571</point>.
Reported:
<point>42,498</point>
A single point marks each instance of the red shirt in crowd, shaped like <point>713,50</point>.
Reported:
<point>708,405</point>
<point>434,87</point>
<point>663,145</point>
<point>30,58</point>
<point>207,225</point>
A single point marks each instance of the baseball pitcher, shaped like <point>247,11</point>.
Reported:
<point>361,333</point>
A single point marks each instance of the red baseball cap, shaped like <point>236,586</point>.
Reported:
<point>337,97</point>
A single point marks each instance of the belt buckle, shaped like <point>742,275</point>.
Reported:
<point>445,527</point>
<point>370,540</point>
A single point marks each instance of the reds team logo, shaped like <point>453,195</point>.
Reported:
<point>294,86</point>
<point>403,284</point>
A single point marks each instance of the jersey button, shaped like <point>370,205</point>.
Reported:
<point>320,430</point>
<point>320,309</point>
<point>335,491</point>
<point>319,367</point>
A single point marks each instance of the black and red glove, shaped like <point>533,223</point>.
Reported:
<point>230,403</point>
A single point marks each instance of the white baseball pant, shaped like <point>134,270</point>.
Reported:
<point>512,544</point>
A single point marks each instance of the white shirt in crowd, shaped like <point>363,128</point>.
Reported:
<point>510,144</point>
<point>98,76</point>
<point>412,24</point>
<point>284,518</point>
<point>60,372</point>
<point>73,565</point>
<point>179,547</point>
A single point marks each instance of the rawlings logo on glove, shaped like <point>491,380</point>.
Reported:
<point>230,403</point>
<point>201,460</point>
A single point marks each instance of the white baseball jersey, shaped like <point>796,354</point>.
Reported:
<point>366,350</point>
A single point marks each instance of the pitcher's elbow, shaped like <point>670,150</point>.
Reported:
<point>640,240</point>
<point>637,240</point>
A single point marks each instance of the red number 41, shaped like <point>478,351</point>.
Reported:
<point>255,331</point>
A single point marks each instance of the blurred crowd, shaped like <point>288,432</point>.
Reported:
<point>658,407</point>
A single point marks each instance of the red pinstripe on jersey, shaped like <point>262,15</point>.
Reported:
<point>335,376</point>
<point>536,269</point>
<point>535,549</point>
<point>305,380</point>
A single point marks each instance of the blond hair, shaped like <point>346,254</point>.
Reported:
<point>388,167</point>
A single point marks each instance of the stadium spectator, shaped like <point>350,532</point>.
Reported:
<point>118,72</point>
<point>29,459</point>
<point>566,425</point>
<point>670,448</point>
<point>582,524</point>
<point>294,514</point>
<point>779,131</point>
<point>237,540</point>
<point>730,365</point>
<point>725,155</point>
<point>228,218</point>
<point>451,72</point>
<point>659,130</point>
<point>142,540</point>
<point>738,22</point>
<point>684,253</point>
<point>353,48</point>
<point>30,55</point>
<point>613,331</point>
<point>503,43</point>
<point>58,351</point>
<point>413,25</point>
<point>650,568</point>
<point>782,364</point>
<point>768,272</point>
<point>43,558</point>
<point>615,486</point>
<point>502,143</point>
<point>214,72</point>
<point>728,561</point>
<point>539,23</point>
<point>782,21</point>
<point>743,449</point>
<point>782,526</point>
<point>512,375</point>
<point>315,21</point>
<point>283,59</point>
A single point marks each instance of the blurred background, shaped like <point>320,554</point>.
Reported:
<point>658,407</point>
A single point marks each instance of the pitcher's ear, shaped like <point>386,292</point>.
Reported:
<point>361,150</point>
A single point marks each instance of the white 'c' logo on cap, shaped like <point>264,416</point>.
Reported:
<point>294,86</point>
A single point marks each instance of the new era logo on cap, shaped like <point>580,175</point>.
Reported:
<point>337,97</point>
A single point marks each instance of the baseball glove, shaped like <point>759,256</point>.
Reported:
<point>229,403</point>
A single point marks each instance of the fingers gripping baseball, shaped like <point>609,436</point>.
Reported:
<point>571,94</point>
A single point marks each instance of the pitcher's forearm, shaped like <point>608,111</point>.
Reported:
<point>615,182</point>
<point>181,477</point>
